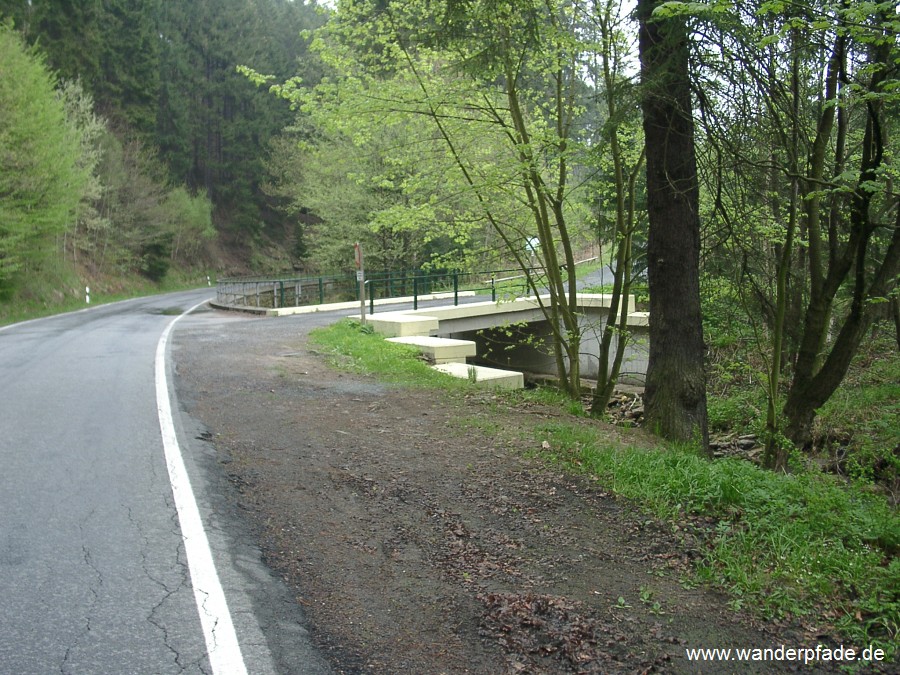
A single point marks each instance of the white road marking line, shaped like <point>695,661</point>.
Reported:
<point>218,630</point>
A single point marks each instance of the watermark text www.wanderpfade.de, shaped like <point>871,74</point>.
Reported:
<point>786,654</point>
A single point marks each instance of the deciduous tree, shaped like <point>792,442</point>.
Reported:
<point>804,143</point>
<point>500,84</point>
<point>41,178</point>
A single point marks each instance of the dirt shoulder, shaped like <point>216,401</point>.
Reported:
<point>419,535</point>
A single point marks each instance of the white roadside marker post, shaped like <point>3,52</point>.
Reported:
<point>361,278</point>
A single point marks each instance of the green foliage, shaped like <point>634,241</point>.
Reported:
<point>299,251</point>
<point>112,47</point>
<point>799,157</point>
<point>724,313</point>
<point>213,126</point>
<point>155,258</point>
<point>41,179</point>
<point>89,222</point>
<point>382,193</point>
<point>164,73</point>
<point>462,136</point>
<point>735,394</point>
<point>429,137</point>
<point>741,411</point>
<point>859,428</point>
<point>178,127</point>
<point>132,197</point>
<point>856,433</point>
<point>381,178</point>
<point>187,219</point>
<point>65,31</point>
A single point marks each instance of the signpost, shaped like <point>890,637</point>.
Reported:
<point>361,278</point>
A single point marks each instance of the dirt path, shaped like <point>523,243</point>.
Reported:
<point>419,536</point>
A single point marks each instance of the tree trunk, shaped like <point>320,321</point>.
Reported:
<point>676,383</point>
<point>819,371</point>
<point>895,315</point>
<point>811,392</point>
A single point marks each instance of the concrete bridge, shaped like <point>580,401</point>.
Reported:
<point>494,342</point>
<point>510,337</point>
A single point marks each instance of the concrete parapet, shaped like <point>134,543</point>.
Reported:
<point>639,319</point>
<point>525,308</point>
<point>601,300</point>
<point>439,350</point>
<point>402,324</point>
<point>526,323</point>
<point>470,309</point>
<point>482,376</point>
<point>307,309</point>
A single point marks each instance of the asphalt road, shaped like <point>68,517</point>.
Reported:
<point>98,556</point>
<point>99,568</point>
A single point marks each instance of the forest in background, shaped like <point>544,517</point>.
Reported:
<point>133,144</point>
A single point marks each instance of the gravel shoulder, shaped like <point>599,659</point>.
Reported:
<point>419,535</point>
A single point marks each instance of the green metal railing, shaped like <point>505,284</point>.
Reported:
<point>255,292</point>
<point>292,292</point>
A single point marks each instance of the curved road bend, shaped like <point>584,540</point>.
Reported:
<point>94,575</point>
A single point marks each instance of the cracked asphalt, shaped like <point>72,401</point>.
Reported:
<point>93,575</point>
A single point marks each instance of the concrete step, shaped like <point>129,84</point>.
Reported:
<point>482,376</point>
<point>402,324</point>
<point>439,350</point>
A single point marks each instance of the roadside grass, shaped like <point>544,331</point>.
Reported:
<point>791,545</point>
<point>62,290</point>
<point>801,545</point>
<point>354,347</point>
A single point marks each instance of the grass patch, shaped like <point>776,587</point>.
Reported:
<point>356,348</point>
<point>546,396</point>
<point>789,544</point>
